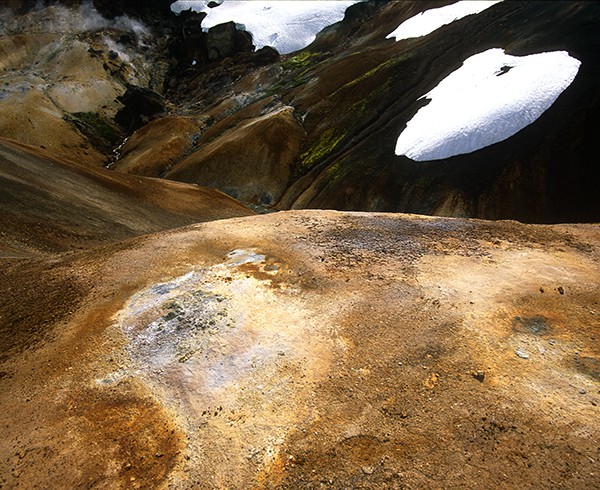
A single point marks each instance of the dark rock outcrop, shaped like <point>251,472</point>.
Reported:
<point>187,46</point>
<point>148,10</point>
<point>190,48</point>
<point>141,105</point>
<point>265,56</point>
<point>224,40</point>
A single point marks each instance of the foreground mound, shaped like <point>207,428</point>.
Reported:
<point>307,349</point>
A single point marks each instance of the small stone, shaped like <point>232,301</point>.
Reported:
<point>582,392</point>
<point>561,290</point>
<point>552,342</point>
<point>368,470</point>
<point>522,354</point>
<point>431,381</point>
<point>542,290</point>
<point>479,376</point>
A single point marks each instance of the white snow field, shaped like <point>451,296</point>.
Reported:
<point>286,25</point>
<point>428,21</point>
<point>491,97</point>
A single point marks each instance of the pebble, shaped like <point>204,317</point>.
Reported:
<point>522,354</point>
<point>368,470</point>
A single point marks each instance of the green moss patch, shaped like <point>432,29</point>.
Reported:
<point>367,75</point>
<point>101,132</point>
<point>326,144</point>
<point>301,60</point>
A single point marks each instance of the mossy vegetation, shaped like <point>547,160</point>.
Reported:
<point>367,75</point>
<point>325,145</point>
<point>301,60</point>
<point>336,171</point>
<point>299,66</point>
<point>285,85</point>
<point>102,126</point>
<point>100,131</point>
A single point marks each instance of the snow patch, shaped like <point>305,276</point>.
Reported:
<point>426,22</point>
<point>286,25</point>
<point>491,97</point>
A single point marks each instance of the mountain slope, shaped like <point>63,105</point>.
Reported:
<point>50,205</point>
<point>354,91</point>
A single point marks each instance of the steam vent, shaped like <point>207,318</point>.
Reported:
<point>299,244</point>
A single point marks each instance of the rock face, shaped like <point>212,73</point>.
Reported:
<point>301,349</point>
<point>141,105</point>
<point>224,40</point>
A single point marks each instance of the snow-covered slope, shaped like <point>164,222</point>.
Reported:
<point>489,98</point>
<point>286,25</point>
<point>432,19</point>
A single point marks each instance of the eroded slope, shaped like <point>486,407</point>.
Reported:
<point>50,205</point>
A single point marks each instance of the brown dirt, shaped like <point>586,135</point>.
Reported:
<point>155,148</point>
<point>50,205</point>
<point>307,350</point>
<point>251,162</point>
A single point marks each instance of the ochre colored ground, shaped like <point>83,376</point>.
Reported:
<point>306,350</point>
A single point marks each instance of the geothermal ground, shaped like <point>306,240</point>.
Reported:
<point>156,332</point>
<point>305,350</point>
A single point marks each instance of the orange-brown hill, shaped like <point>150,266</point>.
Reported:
<point>306,349</point>
<point>51,205</point>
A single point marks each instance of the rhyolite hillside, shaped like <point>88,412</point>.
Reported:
<point>306,349</point>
